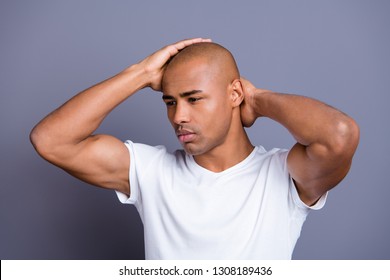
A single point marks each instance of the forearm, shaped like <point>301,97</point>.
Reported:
<point>78,118</point>
<point>308,120</point>
<point>81,116</point>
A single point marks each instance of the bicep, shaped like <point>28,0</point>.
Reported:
<point>100,160</point>
<point>315,170</point>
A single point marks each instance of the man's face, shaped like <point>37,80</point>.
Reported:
<point>198,106</point>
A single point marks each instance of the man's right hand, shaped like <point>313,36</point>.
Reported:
<point>154,65</point>
<point>65,137</point>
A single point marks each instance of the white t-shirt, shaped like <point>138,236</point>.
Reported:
<point>249,211</point>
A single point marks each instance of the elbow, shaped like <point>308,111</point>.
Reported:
<point>345,138</point>
<point>36,140</point>
<point>40,141</point>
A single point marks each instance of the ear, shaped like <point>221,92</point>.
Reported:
<point>236,93</point>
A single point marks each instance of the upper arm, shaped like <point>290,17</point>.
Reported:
<point>319,167</point>
<point>101,160</point>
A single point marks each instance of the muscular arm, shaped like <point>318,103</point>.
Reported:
<point>65,137</point>
<point>326,138</point>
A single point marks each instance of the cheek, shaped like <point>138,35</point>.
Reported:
<point>170,115</point>
<point>219,109</point>
<point>217,117</point>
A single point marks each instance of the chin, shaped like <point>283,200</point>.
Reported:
<point>196,150</point>
<point>192,150</point>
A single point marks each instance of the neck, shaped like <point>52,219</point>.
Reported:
<point>235,149</point>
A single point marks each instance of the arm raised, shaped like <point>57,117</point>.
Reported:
<point>326,138</point>
<point>65,137</point>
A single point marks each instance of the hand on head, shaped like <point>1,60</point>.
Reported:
<point>248,112</point>
<point>154,65</point>
<point>248,115</point>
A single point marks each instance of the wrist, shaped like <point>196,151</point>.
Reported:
<point>137,74</point>
<point>259,101</point>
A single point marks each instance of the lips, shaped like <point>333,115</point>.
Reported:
<point>185,135</point>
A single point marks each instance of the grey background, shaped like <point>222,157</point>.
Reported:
<point>335,51</point>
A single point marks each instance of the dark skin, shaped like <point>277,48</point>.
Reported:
<point>65,137</point>
<point>197,93</point>
<point>326,138</point>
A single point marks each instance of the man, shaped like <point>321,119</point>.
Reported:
<point>220,198</point>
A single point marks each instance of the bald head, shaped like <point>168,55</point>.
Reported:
<point>218,60</point>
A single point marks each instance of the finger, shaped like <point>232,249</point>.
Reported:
<point>192,41</point>
<point>185,43</point>
<point>176,47</point>
<point>243,80</point>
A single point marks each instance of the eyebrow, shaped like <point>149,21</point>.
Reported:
<point>183,94</point>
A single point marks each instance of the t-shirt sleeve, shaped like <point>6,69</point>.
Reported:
<point>294,193</point>
<point>293,190</point>
<point>141,156</point>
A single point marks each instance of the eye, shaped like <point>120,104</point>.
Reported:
<point>170,103</point>
<point>194,99</point>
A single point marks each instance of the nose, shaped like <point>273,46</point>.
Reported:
<point>181,114</point>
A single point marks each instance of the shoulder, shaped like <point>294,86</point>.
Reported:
<point>278,168</point>
<point>272,167</point>
<point>276,155</point>
<point>147,153</point>
<point>144,149</point>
